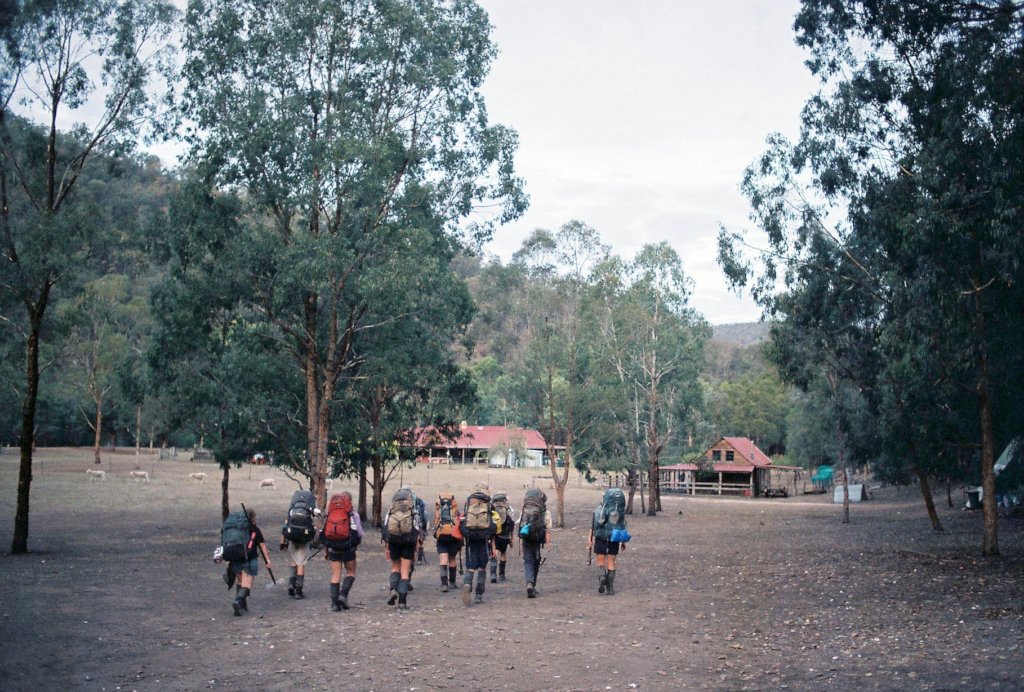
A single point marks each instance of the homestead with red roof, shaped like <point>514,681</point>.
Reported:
<point>731,465</point>
<point>490,444</point>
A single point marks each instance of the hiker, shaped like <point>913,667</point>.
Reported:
<point>478,530</point>
<point>401,536</point>
<point>534,534</point>
<point>504,537</point>
<point>447,537</point>
<point>341,535</point>
<point>608,536</point>
<point>241,543</point>
<point>421,529</point>
<point>297,534</point>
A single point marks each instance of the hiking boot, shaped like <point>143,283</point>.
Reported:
<point>410,587</point>
<point>393,597</point>
<point>291,586</point>
<point>603,584</point>
<point>335,604</point>
<point>467,595</point>
<point>444,587</point>
<point>611,583</point>
<point>478,598</point>
<point>236,605</point>
<point>243,594</point>
<point>299,583</point>
<point>530,591</point>
<point>346,586</point>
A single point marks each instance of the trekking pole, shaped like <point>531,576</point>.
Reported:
<point>461,571</point>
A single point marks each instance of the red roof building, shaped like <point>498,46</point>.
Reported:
<point>731,465</point>
<point>494,445</point>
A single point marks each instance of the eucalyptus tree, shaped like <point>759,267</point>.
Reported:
<point>340,122</point>
<point>655,342</point>
<point>907,167</point>
<point>94,58</point>
<point>556,382</point>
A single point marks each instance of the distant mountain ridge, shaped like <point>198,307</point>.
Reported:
<point>741,333</point>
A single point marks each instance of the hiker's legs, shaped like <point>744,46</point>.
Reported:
<point>291,580</point>
<point>405,572</point>
<point>246,572</point>
<point>493,565</point>
<point>346,585</point>
<point>501,565</point>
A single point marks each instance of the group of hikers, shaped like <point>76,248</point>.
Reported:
<point>483,532</point>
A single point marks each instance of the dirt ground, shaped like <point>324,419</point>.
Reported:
<point>120,592</point>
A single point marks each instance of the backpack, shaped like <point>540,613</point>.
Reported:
<point>504,521</point>
<point>610,515</point>
<point>337,531</point>
<point>298,527</point>
<point>400,526</point>
<point>531,523</point>
<point>478,523</point>
<point>236,536</point>
<point>446,510</point>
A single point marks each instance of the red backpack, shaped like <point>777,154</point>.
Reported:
<point>338,526</point>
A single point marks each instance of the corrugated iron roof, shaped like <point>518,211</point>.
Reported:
<point>749,450</point>
<point>481,437</point>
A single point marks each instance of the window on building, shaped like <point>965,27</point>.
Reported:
<point>730,456</point>
<point>716,455</point>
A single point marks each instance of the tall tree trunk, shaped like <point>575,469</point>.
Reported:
<point>362,488</point>
<point>929,502</point>
<point>990,542</point>
<point>377,484</point>
<point>98,429</point>
<point>138,432</point>
<point>19,541</point>
<point>225,506</point>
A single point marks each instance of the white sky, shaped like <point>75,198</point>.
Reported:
<point>638,119</point>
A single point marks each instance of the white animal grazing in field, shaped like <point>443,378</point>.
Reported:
<point>267,483</point>
<point>198,476</point>
<point>330,484</point>
<point>96,474</point>
<point>139,476</point>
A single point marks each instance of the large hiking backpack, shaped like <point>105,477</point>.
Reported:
<point>402,518</point>
<point>446,509</point>
<point>478,524</point>
<point>298,528</point>
<point>531,522</point>
<point>337,532</point>
<point>236,536</point>
<point>610,515</point>
<point>501,505</point>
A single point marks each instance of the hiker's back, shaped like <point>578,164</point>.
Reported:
<point>610,515</point>
<point>402,518</point>
<point>478,523</point>
<point>532,522</point>
<point>235,537</point>
<point>298,526</point>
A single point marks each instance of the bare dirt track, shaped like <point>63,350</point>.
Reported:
<point>120,592</point>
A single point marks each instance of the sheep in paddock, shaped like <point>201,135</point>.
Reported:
<point>96,474</point>
<point>198,476</point>
<point>139,475</point>
<point>267,483</point>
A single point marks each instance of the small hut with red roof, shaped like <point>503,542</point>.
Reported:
<point>731,465</point>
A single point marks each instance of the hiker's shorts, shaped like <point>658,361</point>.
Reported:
<point>603,547</point>
<point>346,555</point>
<point>477,554</point>
<point>298,553</point>
<point>501,543</point>
<point>448,545</point>
<point>405,551</point>
<point>250,567</point>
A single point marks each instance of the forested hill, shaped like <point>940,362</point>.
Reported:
<point>741,333</point>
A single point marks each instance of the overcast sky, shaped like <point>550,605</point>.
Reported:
<point>638,118</point>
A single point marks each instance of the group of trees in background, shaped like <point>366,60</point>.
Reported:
<point>309,283</point>
<point>894,228</point>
